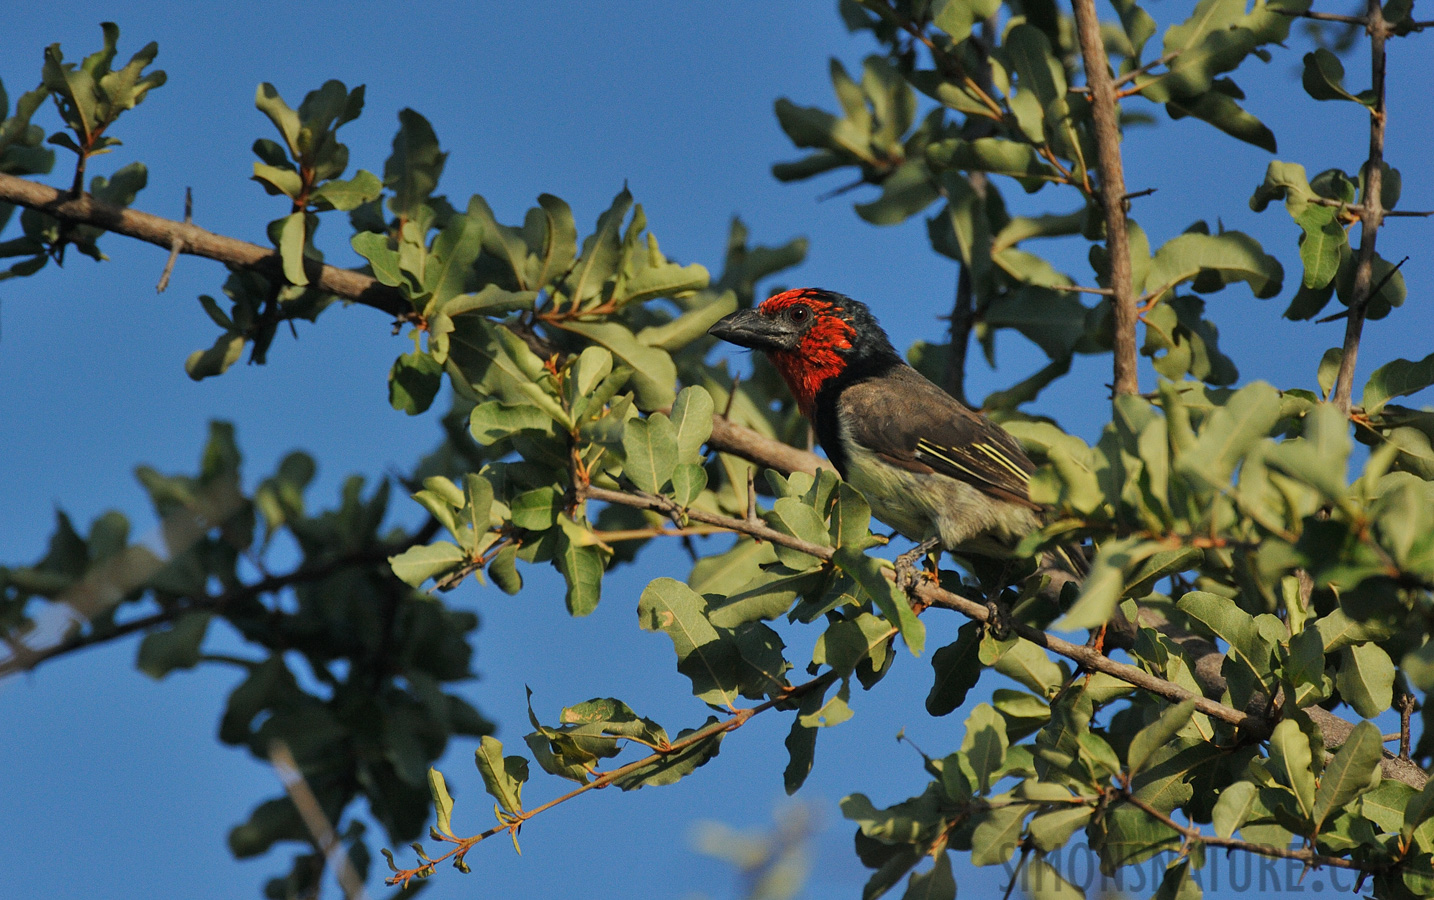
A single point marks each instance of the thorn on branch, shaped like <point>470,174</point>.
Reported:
<point>176,246</point>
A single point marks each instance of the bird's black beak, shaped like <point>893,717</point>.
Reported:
<point>749,328</point>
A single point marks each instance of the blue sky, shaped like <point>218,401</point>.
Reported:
<point>115,786</point>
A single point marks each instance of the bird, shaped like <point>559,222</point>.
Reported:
<point>936,471</point>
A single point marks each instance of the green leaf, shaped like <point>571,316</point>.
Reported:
<point>904,193</point>
<point>601,252</point>
<point>1221,110</point>
<point>289,238</point>
<point>957,668</point>
<point>1104,586</point>
<point>994,155</point>
<point>1292,763</point>
<point>1232,625</point>
<point>417,564</point>
<point>801,744</point>
<point>277,180</point>
<point>363,188</point>
<point>267,99</point>
<point>373,247</point>
<point>174,647</point>
<point>894,606</point>
<point>1399,378</point>
<point>1323,79</point>
<point>503,776</point>
<point>582,568</point>
<point>1323,245</point>
<point>650,447</point>
<point>997,833</point>
<point>936,883</point>
<point>705,655</point>
<point>1231,256</point>
<point>1229,431</point>
<point>1233,807</point>
<point>492,421</point>
<point>692,416</point>
<point>415,165</point>
<point>537,510</point>
<point>413,382</point>
<point>691,325</point>
<point>1354,770</point>
<point>1366,679</point>
<point>654,373</point>
<point>217,359</point>
<point>985,744</point>
<point>1050,830</point>
<point>442,803</point>
<point>791,516</point>
<point>1158,734</point>
<point>688,482</point>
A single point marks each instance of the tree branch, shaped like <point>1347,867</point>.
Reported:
<point>1309,857</point>
<point>1371,214</point>
<point>463,845</point>
<point>1105,114</point>
<point>1335,729</point>
<point>195,241</point>
<point>24,659</point>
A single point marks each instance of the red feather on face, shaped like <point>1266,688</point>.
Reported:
<point>817,358</point>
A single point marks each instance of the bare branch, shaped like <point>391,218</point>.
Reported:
<point>1372,213</point>
<point>1105,113</point>
<point>312,814</point>
<point>84,209</point>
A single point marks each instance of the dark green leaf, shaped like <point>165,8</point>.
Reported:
<point>1354,770</point>
<point>413,382</point>
<point>175,647</point>
<point>957,668</point>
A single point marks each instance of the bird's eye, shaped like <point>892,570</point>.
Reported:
<point>799,314</point>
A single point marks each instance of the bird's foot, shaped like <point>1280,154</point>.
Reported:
<point>906,573</point>
<point>998,619</point>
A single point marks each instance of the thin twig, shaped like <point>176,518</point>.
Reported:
<point>1371,215</point>
<point>963,319</point>
<point>1309,857</point>
<point>326,841</point>
<point>1105,115</point>
<point>737,720</point>
<point>177,244</point>
<point>1322,16</point>
<point>1133,74</point>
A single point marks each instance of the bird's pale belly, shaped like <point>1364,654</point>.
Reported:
<point>920,505</point>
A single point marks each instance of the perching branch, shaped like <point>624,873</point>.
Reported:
<point>931,594</point>
<point>1372,213</point>
<point>1105,115</point>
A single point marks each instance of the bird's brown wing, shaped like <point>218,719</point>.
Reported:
<point>912,423</point>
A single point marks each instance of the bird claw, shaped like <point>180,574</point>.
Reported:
<point>998,620</point>
<point>906,573</point>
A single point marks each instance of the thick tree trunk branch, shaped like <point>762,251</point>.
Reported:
<point>1105,113</point>
<point>1371,214</point>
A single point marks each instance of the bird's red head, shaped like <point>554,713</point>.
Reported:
<point>811,336</point>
